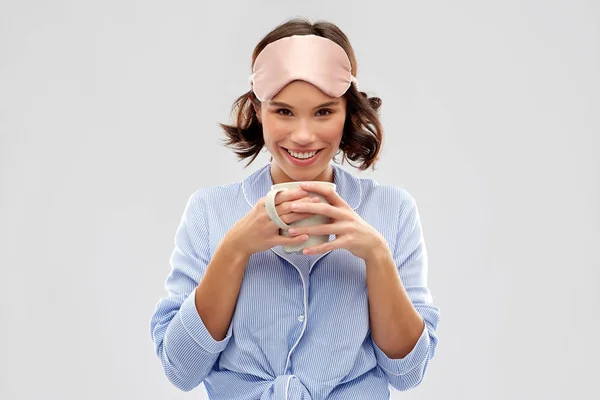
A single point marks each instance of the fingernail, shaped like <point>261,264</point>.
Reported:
<point>292,231</point>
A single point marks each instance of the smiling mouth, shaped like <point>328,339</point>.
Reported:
<point>314,154</point>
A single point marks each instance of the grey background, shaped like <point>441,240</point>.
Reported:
<point>108,114</point>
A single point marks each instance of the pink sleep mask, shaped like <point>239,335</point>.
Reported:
<point>314,59</point>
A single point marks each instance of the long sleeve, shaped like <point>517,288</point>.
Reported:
<point>410,256</point>
<point>187,350</point>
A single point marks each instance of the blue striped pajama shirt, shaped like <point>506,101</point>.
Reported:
<point>300,329</point>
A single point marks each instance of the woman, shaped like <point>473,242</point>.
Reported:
<point>341,320</point>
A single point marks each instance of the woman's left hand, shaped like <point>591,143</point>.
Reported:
<point>351,231</point>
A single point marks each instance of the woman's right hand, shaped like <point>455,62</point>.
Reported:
<point>255,232</point>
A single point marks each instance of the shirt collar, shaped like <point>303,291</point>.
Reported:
<point>258,184</point>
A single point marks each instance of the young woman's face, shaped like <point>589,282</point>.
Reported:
<point>302,119</point>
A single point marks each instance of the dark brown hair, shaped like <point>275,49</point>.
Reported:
<point>362,135</point>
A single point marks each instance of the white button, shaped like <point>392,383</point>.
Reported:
<point>301,318</point>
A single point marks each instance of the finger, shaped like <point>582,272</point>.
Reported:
<point>290,195</point>
<point>320,208</point>
<point>286,195</point>
<point>289,240</point>
<point>328,192</point>
<point>293,217</point>
<point>335,228</point>
<point>285,212</point>
<point>286,207</point>
<point>324,247</point>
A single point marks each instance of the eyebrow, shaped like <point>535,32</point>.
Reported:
<point>282,104</point>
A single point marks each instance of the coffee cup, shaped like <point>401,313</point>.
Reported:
<point>317,219</point>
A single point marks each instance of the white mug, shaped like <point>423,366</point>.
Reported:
<point>317,219</point>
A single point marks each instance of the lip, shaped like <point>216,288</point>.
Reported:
<point>302,163</point>
<point>301,150</point>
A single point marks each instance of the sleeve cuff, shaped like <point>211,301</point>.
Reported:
<point>195,327</point>
<point>402,366</point>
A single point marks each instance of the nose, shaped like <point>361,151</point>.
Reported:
<point>302,134</point>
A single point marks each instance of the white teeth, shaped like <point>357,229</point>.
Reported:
<point>302,156</point>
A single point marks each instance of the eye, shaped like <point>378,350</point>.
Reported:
<point>285,110</point>
<point>321,113</point>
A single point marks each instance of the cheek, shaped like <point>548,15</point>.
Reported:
<point>333,131</point>
<point>273,129</point>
